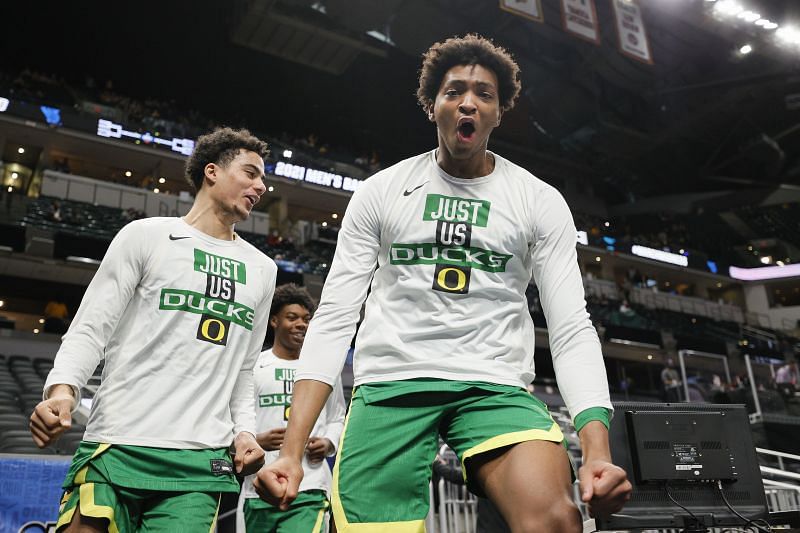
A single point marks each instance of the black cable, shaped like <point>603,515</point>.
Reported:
<point>691,514</point>
<point>748,522</point>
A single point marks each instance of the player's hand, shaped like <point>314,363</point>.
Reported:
<point>604,487</point>
<point>271,440</point>
<point>277,483</point>
<point>317,449</point>
<point>53,416</point>
<point>249,456</point>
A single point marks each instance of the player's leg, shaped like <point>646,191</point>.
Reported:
<point>531,485</point>
<point>383,466</point>
<point>511,451</point>
<point>166,512</point>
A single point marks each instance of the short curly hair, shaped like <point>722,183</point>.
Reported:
<point>288,294</point>
<point>472,49</point>
<point>220,147</point>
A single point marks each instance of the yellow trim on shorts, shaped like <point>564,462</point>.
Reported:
<point>319,524</point>
<point>89,508</point>
<point>553,434</point>
<point>66,518</point>
<point>339,518</point>
<point>216,515</point>
<point>80,477</point>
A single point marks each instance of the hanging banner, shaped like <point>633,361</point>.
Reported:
<point>580,18</point>
<point>630,29</point>
<point>530,9</point>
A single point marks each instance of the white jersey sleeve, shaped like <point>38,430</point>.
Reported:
<point>574,345</point>
<point>103,304</point>
<point>334,323</point>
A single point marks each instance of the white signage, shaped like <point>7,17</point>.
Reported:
<point>111,130</point>
<point>761,273</point>
<point>660,255</point>
<point>530,9</point>
<point>630,29</point>
<point>583,238</point>
<point>580,18</point>
<point>317,177</point>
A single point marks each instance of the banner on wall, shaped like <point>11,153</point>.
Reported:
<point>630,29</point>
<point>530,9</point>
<point>30,491</point>
<point>580,19</point>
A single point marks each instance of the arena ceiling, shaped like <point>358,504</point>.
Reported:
<point>702,117</point>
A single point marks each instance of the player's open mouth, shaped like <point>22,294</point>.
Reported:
<point>298,337</point>
<point>253,200</point>
<point>466,130</point>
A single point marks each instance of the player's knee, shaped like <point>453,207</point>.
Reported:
<point>560,517</point>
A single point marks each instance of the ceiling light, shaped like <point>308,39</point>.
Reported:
<point>749,16</point>
<point>20,150</point>
<point>649,357</point>
<point>162,180</point>
<point>597,258</point>
<point>14,175</point>
<point>334,216</point>
<point>2,303</point>
<point>728,7</point>
<point>770,25</point>
<point>746,49</point>
<point>324,224</point>
<point>36,330</point>
<point>10,189</point>
<point>270,188</point>
<point>788,34</point>
<point>156,190</point>
<point>41,321</point>
<point>766,259</point>
<point>128,173</point>
<point>287,154</point>
<point>780,263</point>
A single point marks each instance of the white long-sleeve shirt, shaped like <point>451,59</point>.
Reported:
<point>180,319</point>
<point>274,382</point>
<point>449,260</point>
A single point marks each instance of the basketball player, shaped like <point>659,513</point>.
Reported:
<point>291,311</point>
<point>448,241</point>
<point>178,309</point>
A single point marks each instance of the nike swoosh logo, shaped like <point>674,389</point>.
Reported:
<point>409,191</point>
<point>174,238</point>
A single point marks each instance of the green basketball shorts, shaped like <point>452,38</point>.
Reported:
<point>307,514</point>
<point>383,466</point>
<point>140,489</point>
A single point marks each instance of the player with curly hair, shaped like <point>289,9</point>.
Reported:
<point>178,309</point>
<point>447,242</point>
<point>292,309</point>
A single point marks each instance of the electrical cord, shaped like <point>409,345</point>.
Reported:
<point>748,522</point>
<point>669,495</point>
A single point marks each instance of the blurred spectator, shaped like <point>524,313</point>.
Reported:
<point>671,381</point>
<point>55,212</point>
<point>55,316</point>
<point>787,374</point>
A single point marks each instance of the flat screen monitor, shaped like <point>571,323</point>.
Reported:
<point>691,455</point>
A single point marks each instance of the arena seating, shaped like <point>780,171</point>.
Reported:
<point>21,382</point>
